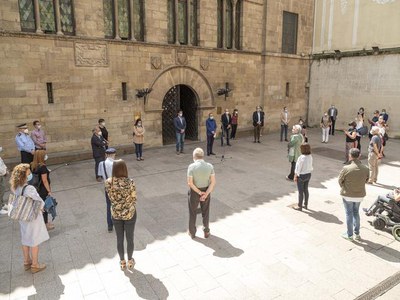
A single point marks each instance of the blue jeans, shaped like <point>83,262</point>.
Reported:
<point>352,217</point>
<point>180,140</point>
<point>109,220</point>
<point>302,186</point>
<point>138,150</point>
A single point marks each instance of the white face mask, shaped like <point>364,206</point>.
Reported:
<point>227,112</point>
<point>26,131</point>
<point>99,133</point>
<point>103,124</point>
<point>39,126</point>
<point>180,115</point>
<point>46,157</point>
<point>211,117</point>
<point>139,124</point>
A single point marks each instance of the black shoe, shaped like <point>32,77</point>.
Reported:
<point>289,179</point>
<point>286,140</point>
<point>255,142</point>
<point>212,153</point>
<point>258,142</point>
<point>208,154</point>
<point>305,207</point>
<point>229,144</point>
<point>110,228</point>
<point>297,208</point>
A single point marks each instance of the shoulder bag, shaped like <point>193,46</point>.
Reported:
<point>22,208</point>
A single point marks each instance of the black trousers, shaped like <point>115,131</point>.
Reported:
<point>26,157</point>
<point>97,160</point>
<point>292,167</point>
<point>226,132</point>
<point>210,143</point>
<point>233,133</point>
<point>257,132</point>
<point>284,128</point>
<point>126,227</point>
<point>193,202</point>
<point>332,128</point>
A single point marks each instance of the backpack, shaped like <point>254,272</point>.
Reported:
<point>36,180</point>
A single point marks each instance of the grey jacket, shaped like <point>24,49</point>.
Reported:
<point>352,179</point>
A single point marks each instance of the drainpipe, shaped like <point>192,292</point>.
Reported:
<point>263,54</point>
<point>310,62</point>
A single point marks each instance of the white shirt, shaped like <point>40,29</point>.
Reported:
<point>304,165</point>
<point>109,166</point>
<point>332,112</point>
<point>353,199</point>
<point>259,117</point>
<point>286,115</point>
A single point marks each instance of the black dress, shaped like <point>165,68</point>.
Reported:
<point>43,193</point>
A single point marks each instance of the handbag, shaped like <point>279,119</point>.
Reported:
<point>23,208</point>
<point>363,130</point>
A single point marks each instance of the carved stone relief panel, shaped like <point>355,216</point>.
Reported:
<point>204,64</point>
<point>156,62</point>
<point>181,58</point>
<point>91,55</point>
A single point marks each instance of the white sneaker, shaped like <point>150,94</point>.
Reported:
<point>3,212</point>
<point>357,237</point>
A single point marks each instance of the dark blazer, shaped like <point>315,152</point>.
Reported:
<point>104,133</point>
<point>255,118</point>
<point>225,121</point>
<point>335,112</point>
<point>98,146</point>
<point>179,125</point>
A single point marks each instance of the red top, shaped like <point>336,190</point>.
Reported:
<point>234,119</point>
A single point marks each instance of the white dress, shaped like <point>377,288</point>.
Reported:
<point>33,233</point>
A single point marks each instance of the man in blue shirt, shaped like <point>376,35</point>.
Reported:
<point>211,127</point>
<point>25,144</point>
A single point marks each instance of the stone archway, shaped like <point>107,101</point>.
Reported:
<point>179,75</point>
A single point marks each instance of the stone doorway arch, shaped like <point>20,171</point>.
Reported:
<point>179,76</point>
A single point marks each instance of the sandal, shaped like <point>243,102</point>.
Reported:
<point>123,264</point>
<point>131,264</point>
<point>27,266</point>
<point>38,268</point>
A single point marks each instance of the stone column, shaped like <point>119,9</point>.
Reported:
<point>58,17</point>
<point>176,23</point>
<point>131,20</point>
<point>116,23</point>
<point>188,21</point>
<point>37,16</point>
<point>224,24</point>
<point>234,23</point>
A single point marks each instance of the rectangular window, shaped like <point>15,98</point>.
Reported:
<point>171,21</point>
<point>138,19</point>
<point>50,98</point>
<point>67,17</point>
<point>193,22</point>
<point>47,16</point>
<point>182,22</point>
<point>124,91</point>
<point>123,19</point>
<point>289,33</point>
<point>220,24</point>
<point>228,23</point>
<point>109,22</point>
<point>27,15</point>
<point>287,89</point>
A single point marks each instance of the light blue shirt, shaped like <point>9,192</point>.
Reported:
<point>24,142</point>
<point>109,166</point>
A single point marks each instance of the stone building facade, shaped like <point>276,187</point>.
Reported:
<point>69,77</point>
<point>356,50</point>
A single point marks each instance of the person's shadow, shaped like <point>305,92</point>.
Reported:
<point>379,250</point>
<point>45,291</point>
<point>147,286</point>
<point>221,247</point>
<point>323,216</point>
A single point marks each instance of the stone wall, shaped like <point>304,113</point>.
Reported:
<point>87,70</point>
<point>370,81</point>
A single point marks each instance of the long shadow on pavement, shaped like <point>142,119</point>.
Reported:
<point>221,247</point>
<point>323,216</point>
<point>145,284</point>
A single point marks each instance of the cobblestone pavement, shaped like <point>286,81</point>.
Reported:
<point>260,248</point>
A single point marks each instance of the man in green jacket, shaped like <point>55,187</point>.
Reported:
<point>352,180</point>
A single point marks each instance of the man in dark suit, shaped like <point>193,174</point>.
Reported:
<point>180,128</point>
<point>258,122</point>
<point>226,121</point>
<point>332,113</point>
<point>99,149</point>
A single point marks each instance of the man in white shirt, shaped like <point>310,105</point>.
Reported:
<point>285,119</point>
<point>105,171</point>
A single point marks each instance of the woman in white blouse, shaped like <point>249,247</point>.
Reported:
<point>304,167</point>
<point>32,233</point>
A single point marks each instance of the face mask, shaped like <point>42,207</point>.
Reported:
<point>139,124</point>
<point>99,133</point>
<point>39,126</point>
<point>46,157</point>
<point>211,117</point>
<point>180,115</point>
<point>29,178</point>
<point>1,149</point>
<point>227,112</point>
<point>325,115</point>
<point>26,131</point>
<point>103,124</point>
